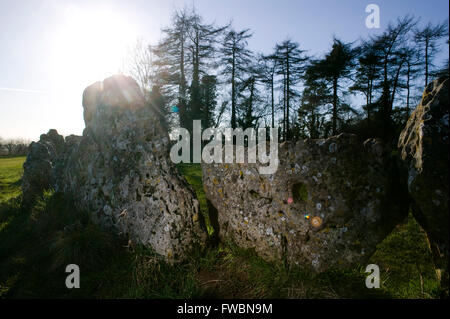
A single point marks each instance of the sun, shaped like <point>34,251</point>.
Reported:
<point>91,45</point>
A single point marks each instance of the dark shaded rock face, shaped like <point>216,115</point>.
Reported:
<point>120,172</point>
<point>38,166</point>
<point>329,204</point>
<point>424,146</point>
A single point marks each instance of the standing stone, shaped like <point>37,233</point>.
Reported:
<point>329,204</point>
<point>424,146</point>
<point>39,164</point>
<point>121,172</point>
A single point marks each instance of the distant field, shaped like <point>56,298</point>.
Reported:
<point>10,174</point>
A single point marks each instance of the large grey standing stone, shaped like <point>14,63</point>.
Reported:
<point>424,146</point>
<point>41,158</point>
<point>121,173</point>
<point>329,204</point>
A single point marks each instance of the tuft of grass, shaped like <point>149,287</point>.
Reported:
<point>406,264</point>
<point>37,244</point>
<point>152,277</point>
<point>234,272</point>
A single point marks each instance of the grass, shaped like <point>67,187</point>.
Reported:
<point>407,262</point>
<point>193,175</point>
<point>36,245</point>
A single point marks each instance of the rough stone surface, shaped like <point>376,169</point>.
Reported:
<point>120,171</point>
<point>424,146</point>
<point>115,92</point>
<point>39,164</point>
<point>329,204</point>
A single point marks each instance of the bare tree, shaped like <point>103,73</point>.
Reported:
<point>142,67</point>
<point>15,146</point>
<point>235,58</point>
<point>268,72</point>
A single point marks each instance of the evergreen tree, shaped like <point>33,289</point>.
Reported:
<point>235,58</point>
<point>427,38</point>
<point>411,73</point>
<point>367,72</point>
<point>203,39</point>
<point>268,67</point>
<point>388,47</point>
<point>291,65</point>
<point>171,55</point>
<point>335,67</point>
<point>249,110</point>
<point>315,96</point>
<point>208,93</point>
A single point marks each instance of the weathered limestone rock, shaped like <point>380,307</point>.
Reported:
<point>38,166</point>
<point>329,204</point>
<point>120,171</point>
<point>115,92</point>
<point>424,146</point>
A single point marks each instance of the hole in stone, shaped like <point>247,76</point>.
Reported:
<point>254,194</point>
<point>300,192</point>
<point>138,196</point>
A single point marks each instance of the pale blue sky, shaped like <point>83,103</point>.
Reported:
<point>51,50</point>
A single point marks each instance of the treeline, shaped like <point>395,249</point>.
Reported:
<point>207,72</point>
<point>14,147</point>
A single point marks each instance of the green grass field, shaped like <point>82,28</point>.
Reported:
<point>36,245</point>
<point>10,173</point>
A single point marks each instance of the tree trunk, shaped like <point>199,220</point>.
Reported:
<point>284,106</point>
<point>273,107</point>
<point>182,91</point>
<point>426,63</point>
<point>394,87</point>
<point>407,90</point>
<point>288,135</point>
<point>195,86</point>
<point>334,120</point>
<point>368,99</point>
<point>233,92</point>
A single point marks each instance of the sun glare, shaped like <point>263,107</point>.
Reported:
<point>91,45</point>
